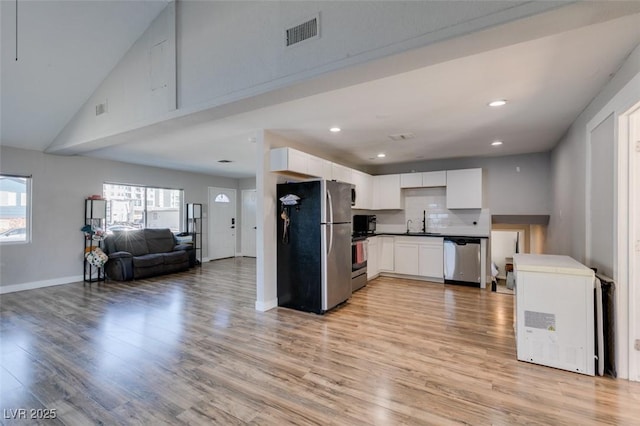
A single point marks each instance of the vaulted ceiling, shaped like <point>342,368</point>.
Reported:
<point>547,80</point>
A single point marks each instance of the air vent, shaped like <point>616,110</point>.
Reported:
<point>224,161</point>
<point>301,32</point>
<point>402,136</point>
<point>102,108</point>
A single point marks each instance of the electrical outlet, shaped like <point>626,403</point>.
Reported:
<point>637,345</point>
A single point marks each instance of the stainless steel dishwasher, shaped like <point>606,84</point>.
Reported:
<point>462,261</point>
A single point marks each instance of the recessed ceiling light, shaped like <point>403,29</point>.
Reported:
<point>335,129</point>
<point>498,102</point>
<point>496,143</point>
<point>382,155</point>
<point>224,161</point>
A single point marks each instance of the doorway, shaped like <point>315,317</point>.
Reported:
<point>248,223</point>
<point>222,223</point>
<point>504,244</point>
<point>633,244</point>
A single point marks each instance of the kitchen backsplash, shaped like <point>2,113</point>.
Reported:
<point>438,218</point>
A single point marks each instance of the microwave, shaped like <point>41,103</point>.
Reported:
<point>364,224</point>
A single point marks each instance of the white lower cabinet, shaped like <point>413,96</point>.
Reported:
<point>386,256</point>
<point>406,258</point>
<point>419,256</point>
<point>372,257</point>
<point>430,263</point>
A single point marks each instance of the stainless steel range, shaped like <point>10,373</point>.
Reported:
<point>358,263</point>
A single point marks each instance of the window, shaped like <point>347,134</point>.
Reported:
<point>135,207</point>
<point>222,198</point>
<point>15,209</point>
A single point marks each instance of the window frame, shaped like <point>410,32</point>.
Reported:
<point>28,208</point>
<point>145,199</point>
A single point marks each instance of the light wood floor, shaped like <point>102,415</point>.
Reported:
<point>191,349</point>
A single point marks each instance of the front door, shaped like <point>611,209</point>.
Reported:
<point>249,222</point>
<point>222,223</point>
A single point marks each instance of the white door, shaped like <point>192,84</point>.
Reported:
<point>248,223</point>
<point>222,223</point>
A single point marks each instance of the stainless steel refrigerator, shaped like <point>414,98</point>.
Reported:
<point>314,245</point>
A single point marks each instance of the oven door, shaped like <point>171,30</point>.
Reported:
<point>358,263</point>
<point>358,256</point>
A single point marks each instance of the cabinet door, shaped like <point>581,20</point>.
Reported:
<point>298,161</point>
<point>341,173</point>
<point>316,166</point>
<point>406,258</point>
<point>386,257</point>
<point>464,189</point>
<point>410,180</point>
<point>372,258</point>
<point>431,179</point>
<point>362,181</point>
<point>386,192</point>
<point>431,260</point>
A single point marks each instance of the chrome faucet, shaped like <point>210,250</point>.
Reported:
<point>408,222</point>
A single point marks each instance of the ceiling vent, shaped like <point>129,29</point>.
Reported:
<point>224,161</point>
<point>402,136</point>
<point>307,30</point>
<point>102,108</point>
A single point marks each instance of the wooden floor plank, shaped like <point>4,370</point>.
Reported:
<point>189,348</point>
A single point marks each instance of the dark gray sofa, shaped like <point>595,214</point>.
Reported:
<point>145,253</point>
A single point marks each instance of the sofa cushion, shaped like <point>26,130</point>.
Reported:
<point>159,240</point>
<point>133,242</point>
<point>175,257</point>
<point>148,260</point>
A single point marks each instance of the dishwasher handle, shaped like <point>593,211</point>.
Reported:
<point>461,241</point>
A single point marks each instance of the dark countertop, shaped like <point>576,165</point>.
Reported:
<point>428,234</point>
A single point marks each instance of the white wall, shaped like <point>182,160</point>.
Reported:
<point>139,90</point>
<point>507,190</point>
<point>566,232</point>
<point>60,185</point>
<point>568,227</point>
<point>230,47</point>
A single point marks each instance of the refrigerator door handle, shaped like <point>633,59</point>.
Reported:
<point>330,221</point>
<point>330,205</point>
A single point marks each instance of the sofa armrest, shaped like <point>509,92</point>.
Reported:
<point>190,252</point>
<point>119,267</point>
<point>120,255</point>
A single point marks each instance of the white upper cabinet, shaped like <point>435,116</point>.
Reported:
<point>289,160</point>
<point>386,192</point>
<point>423,180</point>
<point>364,190</point>
<point>431,179</point>
<point>464,189</point>
<point>319,167</point>
<point>341,173</point>
<point>410,180</point>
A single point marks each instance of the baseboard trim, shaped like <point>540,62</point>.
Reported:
<point>39,284</point>
<point>265,306</point>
